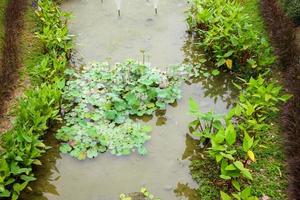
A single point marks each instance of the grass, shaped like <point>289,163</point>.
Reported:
<point>269,174</point>
<point>203,171</point>
<point>3,4</point>
<point>251,7</point>
<point>31,47</point>
<point>29,50</point>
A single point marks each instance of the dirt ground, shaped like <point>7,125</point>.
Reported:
<point>298,37</point>
<point>10,84</point>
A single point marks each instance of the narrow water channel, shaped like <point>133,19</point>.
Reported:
<point>102,35</point>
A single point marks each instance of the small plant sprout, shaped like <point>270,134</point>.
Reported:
<point>155,6</point>
<point>118,2</point>
<point>143,54</point>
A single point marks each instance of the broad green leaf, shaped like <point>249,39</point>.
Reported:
<point>37,162</point>
<point>5,193</point>
<point>215,72</point>
<point>27,178</point>
<point>230,134</point>
<point>92,153</point>
<point>239,165</point>
<point>219,137</point>
<point>246,193</point>
<point>194,107</point>
<point>236,185</point>
<point>225,196</point>
<point>219,157</point>
<point>65,148</point>
<point>231,167</point>
<point>246,173</point>
<point>247,142</point>
<point>225,177</point>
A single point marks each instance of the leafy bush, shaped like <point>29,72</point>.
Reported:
<point>42,73</point>
<point>23,145</point>
<point>232,140</point>
<point>228,36</point>
<point>103,98</point>
<point>52,28</point>
<point>292,8</point>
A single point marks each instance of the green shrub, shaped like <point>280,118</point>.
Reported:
<point>231,142</point>
<point>292,8</point>
<point>42,73</point>
<point>22,146</point>
<point>52,28</point>
<point>228,36</point>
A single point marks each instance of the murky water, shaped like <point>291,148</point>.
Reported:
<point>102,35</point>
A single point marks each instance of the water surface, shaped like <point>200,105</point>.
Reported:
<point>102,35</point>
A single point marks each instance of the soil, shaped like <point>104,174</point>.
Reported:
<point>11,64</point>
<point>298,38</point>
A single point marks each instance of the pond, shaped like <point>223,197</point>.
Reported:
<point>101,35</point>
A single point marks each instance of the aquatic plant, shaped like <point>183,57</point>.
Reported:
<point>100,100</point>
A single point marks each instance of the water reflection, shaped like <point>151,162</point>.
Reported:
<point>45,173</point>
<point>184,190</point>
<point>192,148</point>
<point>160,116</point>
<point>191,152</point>
<point>218,87</point>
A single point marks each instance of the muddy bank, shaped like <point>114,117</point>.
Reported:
<point>298,37</point>
<point>282,34</point>
<point>11,63</point>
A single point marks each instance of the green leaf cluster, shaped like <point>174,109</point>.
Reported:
<point>100,100</point>
<point>23,145</point>
<point>227,35</point>
<point>232,141</point>
<point>52,28</point>
<point>292,8</point>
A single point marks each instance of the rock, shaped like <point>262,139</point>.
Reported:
<point>265,197</point>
